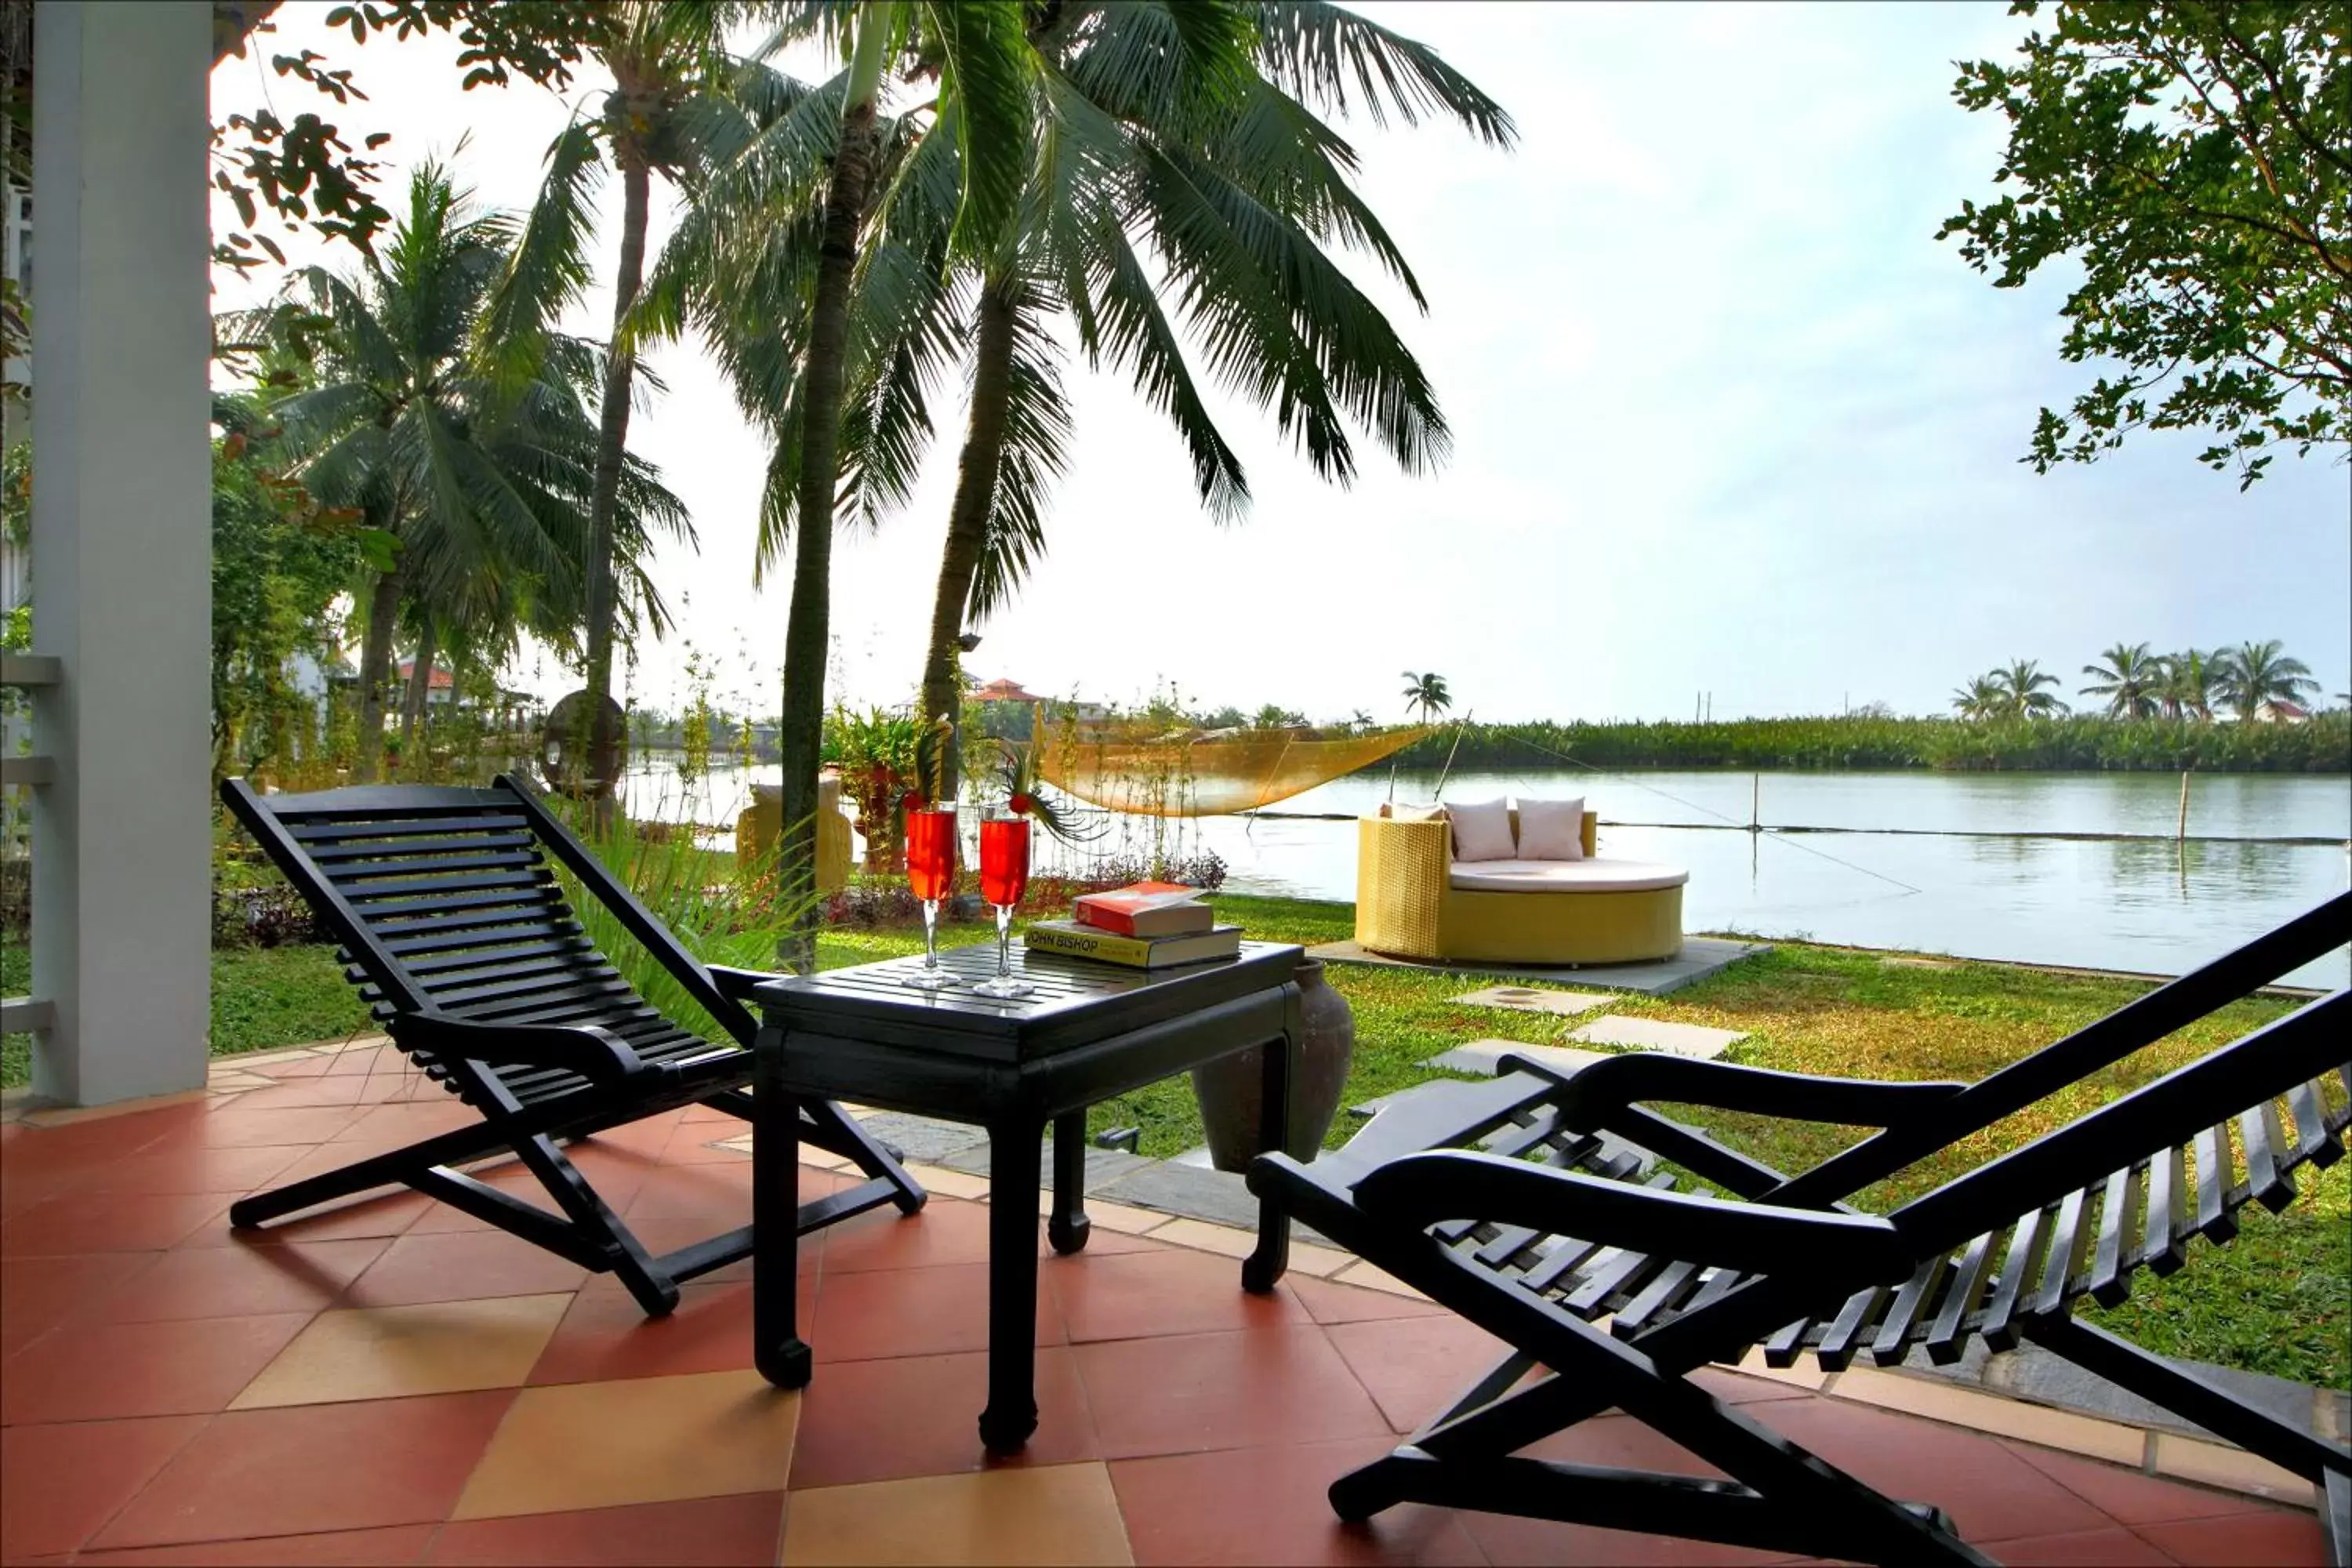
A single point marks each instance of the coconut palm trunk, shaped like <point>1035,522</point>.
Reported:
<point>613,430</point>
<point>420,687</point>
<point>808,631</point>
<point>975,493</point>
<point>375,671</point>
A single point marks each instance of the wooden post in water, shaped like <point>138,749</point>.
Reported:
<point>2181,833</point>
<point>1755,802</point>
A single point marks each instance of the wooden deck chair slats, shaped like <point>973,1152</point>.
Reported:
<point>455,924</point>
<point>1529,1249</point>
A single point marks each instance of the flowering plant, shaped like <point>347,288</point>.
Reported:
<point>1018,772</point>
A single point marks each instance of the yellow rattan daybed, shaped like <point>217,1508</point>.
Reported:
<point>1413,901</point>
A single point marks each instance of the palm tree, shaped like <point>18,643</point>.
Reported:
<point>1191,144</point>
<point>2254,677</point>
<point>664,114</point>
<point>414,415</point>
<point>1427,693</point>
<point>2187,690</point>
<point>2022,694</point>
<point>1982,699</point>
<point>2130,680</point>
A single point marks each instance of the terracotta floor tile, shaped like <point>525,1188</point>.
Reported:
<point>1171,1292</point>
<point>336,1549</point>
<point>703,1532</point>
<point>2240,1539</point>
<point>666,1234</point>
<point>232,1281</point>
<point>60,1484</point>
<point>1330,1303</point>
<point>398,1123</point>
<point>1052,1515</point>
<point>645,1138</point>
<point>1510,1542</point>
<point>910,1311</point>
<point>514,1179</point>
<point>391,1352</point>
<point>1984,1487</point>
<point>192,1169</point>
<point>1620,1442</point>
<point>239,1128</point>
<point>2112,1547</point>
<point>386,1212</point>
<point>942,1232</point>
<point>919,1416</point>
<point>1180,1395</point>
<point>96,1372</point>
<point>109,1222</point>
<point>2128,1496</point>
<point>720,1194</point>
<point>36,1294</point>
<point>648,1440</point>
<point>1740,1388</point>
<point>606,1335</point>
<point>314,1469</point>
<point>460,1266</point>
<point>1414,1366</point>
<point>1267,1505</point>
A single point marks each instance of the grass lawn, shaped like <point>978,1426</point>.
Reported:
<point>2278,1299</point>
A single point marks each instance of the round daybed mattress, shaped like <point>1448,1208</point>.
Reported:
<point>1589,875</point>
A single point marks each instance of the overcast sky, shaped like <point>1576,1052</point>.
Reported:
<point>1726,416</point>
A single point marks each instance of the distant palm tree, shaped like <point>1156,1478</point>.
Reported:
<point>2187,689</point>
<point>1361,719</point>
<point>2021,693</point>
<point>1427,693</point>
<point>2129,680</point>
<point>1980,699</point>
<point>2254,677</point>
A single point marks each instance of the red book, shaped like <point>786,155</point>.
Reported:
<point>1145,910</point>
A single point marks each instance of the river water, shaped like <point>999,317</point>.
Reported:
<point>1936,862</point>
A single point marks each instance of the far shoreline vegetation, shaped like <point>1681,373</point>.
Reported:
<point>2076,743</point>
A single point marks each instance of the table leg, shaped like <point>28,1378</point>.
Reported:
<point>1013,1162</point>
<point>1264,1267</point>
<point>777,1348</point>
<point>1067,1226</point>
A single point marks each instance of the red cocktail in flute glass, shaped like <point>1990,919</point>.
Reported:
<point>1003,875</point>
<point>930,876</point>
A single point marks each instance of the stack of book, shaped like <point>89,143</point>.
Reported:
<point>1146,925</point>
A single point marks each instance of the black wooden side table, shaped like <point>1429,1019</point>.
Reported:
<point>1092,1031</point>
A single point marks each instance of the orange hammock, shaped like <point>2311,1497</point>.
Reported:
<point>1194,775</point>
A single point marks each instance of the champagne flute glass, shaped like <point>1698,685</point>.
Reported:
<point>1003,875</point>
<point>930,874</point>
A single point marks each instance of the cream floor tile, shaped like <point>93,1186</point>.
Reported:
<point>1123,1217</point>
<point>1806,1373</point>
<point>944,1183</point>
<point>646,1439</point>
<point>1372,1279</point>
<point>1051,1514</point>
<point>391,1352</point>
<point>2234,1470</point>
<point>2027,1422</point>
<point>1304,1257</point>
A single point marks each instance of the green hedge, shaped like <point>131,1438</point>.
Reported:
<point>2083,742</point>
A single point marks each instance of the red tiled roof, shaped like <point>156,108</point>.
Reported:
<point>439,681</point>
<point>1005,691</point>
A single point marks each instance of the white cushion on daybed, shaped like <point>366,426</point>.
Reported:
<point>1594,876</point>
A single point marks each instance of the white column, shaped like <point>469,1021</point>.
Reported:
<point>121,546</point>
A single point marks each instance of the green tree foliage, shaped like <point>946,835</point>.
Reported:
<point>2130,679</point>
<point>2254,677</point>
<point>1425,693</point>
<point>2194,158</point>
<point>279,562</point>
<point>2085,742</point>
<point>1980,699</point>
<point>2022,683</point>
<point>399,404</point>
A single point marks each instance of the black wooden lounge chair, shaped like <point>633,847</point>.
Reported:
<point>1560,1219</point>
<point>455,930</point>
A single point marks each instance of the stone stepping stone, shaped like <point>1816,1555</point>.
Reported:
<point>1482,1057</point>
<point>1656,1035</point>
<point>1529,999</point>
